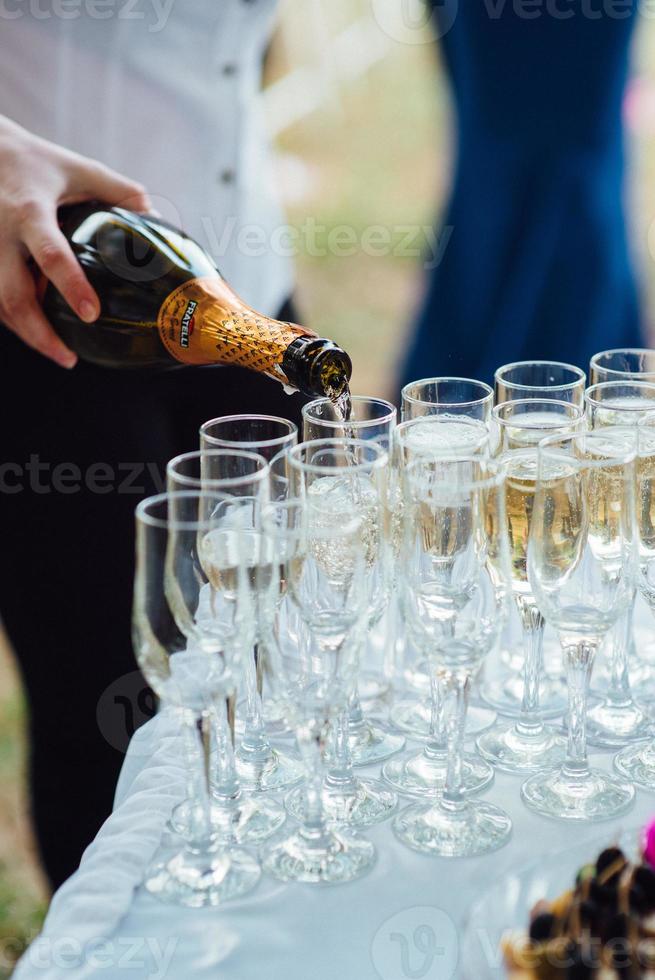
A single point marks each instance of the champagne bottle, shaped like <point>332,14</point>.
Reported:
<point>164,302</point>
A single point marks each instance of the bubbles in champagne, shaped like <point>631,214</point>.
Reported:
<point>333,502</point>
<point>440,436</point>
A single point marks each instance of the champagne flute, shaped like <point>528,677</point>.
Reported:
<point>351,474</point>
<point>421,773</point>
<point>446,429</point>
<point>637,762</point>
<point>317,582</point>
<point>526,744</point>
<point>455,575</point>
<point>241,476</point>
<point>374,420</point>
<point>629,364</point>
<point>258,765</point>
<point>582,569</point>
<point>190,655</point>
<point>616,718</point>
<point>447,396</point>
<point>519,381</point>
<point>539,379</point>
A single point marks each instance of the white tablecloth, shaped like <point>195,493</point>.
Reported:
<point>101,925</point>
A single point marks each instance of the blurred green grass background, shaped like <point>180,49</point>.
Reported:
<point>376,152</point>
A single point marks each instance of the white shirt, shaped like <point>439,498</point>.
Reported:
<point>165,92</point>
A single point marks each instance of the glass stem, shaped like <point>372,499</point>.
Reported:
<point>437,745</point>
<point>310,745</point>
<point>456,695</point>
<point>529,724</point>
<point>340,774</point>
<point>224,782</point>
<point>202,836</point>
<point>579,661</point>
<point>255,747</point>
<point>618,692</point>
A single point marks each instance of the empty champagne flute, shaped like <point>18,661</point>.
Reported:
<point>447,396</point>
<point>350,473</point>
<point>582,568</point>
<point>187,622</point>
<point>526,744</point>
<point>455,576</point>
<point>539,379</point>
<point>374,420</point>
<point>258,765</point>
<point>317,582</point>
<point>616,719</point>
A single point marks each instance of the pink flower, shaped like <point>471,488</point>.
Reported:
<point>648,843</point>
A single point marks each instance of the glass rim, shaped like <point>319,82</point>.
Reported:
<point>591,400</point>
<point>143,517</point>
<point>549,445</point>
<point>250,417</point>
<point>627,375</point>
<point>392,412</point>
<point>489,392</point>
<point>521,387</point>
<point>218,482</point>
<point>571,408</point>
<point>494,478</point>
<point>379,461</point>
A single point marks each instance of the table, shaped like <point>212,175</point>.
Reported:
<point>99,926</point>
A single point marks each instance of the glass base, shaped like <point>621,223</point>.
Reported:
<point>610,726</point>
<point>637,763</point>
<point>421,775</point>
<point>475,829</point>
<point>594,795</point>
<point>247,821</point>
<point>510,751</point>
<point>506,694</point>
<point>333,858</point>
<point>196,880</point>
<point>280,772</point>
<point>368,802</point>
<point>371,743</point>
<point>413,718</point>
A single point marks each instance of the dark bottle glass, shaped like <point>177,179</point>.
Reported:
<point>163,301</point>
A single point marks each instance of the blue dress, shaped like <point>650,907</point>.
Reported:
<point>537,263</point>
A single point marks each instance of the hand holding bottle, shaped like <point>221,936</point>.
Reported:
<point>36,177</point>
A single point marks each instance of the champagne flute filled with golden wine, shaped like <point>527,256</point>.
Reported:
<point>526,744</point>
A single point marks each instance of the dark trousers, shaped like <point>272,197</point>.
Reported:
<point>79,450</point>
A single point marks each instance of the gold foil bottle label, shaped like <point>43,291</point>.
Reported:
<point>204,322</point>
